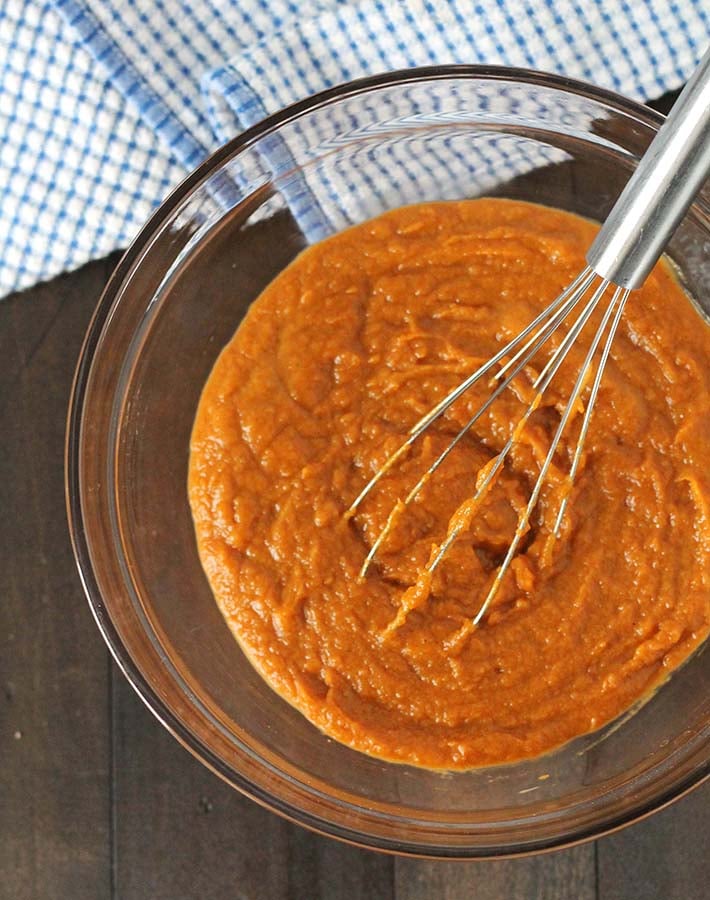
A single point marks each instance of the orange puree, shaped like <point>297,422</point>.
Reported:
<point>336,360</point>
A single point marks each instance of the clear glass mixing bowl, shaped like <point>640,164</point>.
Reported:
<point>176,298</point>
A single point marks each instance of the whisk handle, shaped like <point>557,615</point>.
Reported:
<point>665,183</point>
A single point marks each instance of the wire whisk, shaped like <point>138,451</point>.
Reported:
<point>630,242</point>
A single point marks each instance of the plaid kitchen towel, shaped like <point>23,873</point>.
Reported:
<point>107,104</point>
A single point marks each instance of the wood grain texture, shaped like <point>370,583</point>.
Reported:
<point>179,831</point>
<point>566,875</point>
<point>664,104</point>
<point>323,868</point>
<point>182,833</point>
<point>54,736</point>
<point>666,857</point>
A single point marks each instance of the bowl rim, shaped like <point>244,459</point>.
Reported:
<point>73,486</point>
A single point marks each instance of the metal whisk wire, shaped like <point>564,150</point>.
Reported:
<point>618,302</point>
<point>551,313</point>
<point>419,427</point>
<point>628,245</point>
<point>573,296</point>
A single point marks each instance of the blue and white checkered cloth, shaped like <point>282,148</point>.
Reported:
<point>105,105</point>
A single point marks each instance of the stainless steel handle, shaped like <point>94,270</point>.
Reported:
<point>660,191</point>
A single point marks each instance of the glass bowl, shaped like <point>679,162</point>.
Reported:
<point>173,302</point>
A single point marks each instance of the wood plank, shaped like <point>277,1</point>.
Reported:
<point>665,103</point>
<point>181,832</point>
<point>323,869</point>
<point>667,857</point>
<point>555,876</point>
<point>54,807</point>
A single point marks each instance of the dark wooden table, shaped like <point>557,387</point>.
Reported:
<point>97,800</point>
